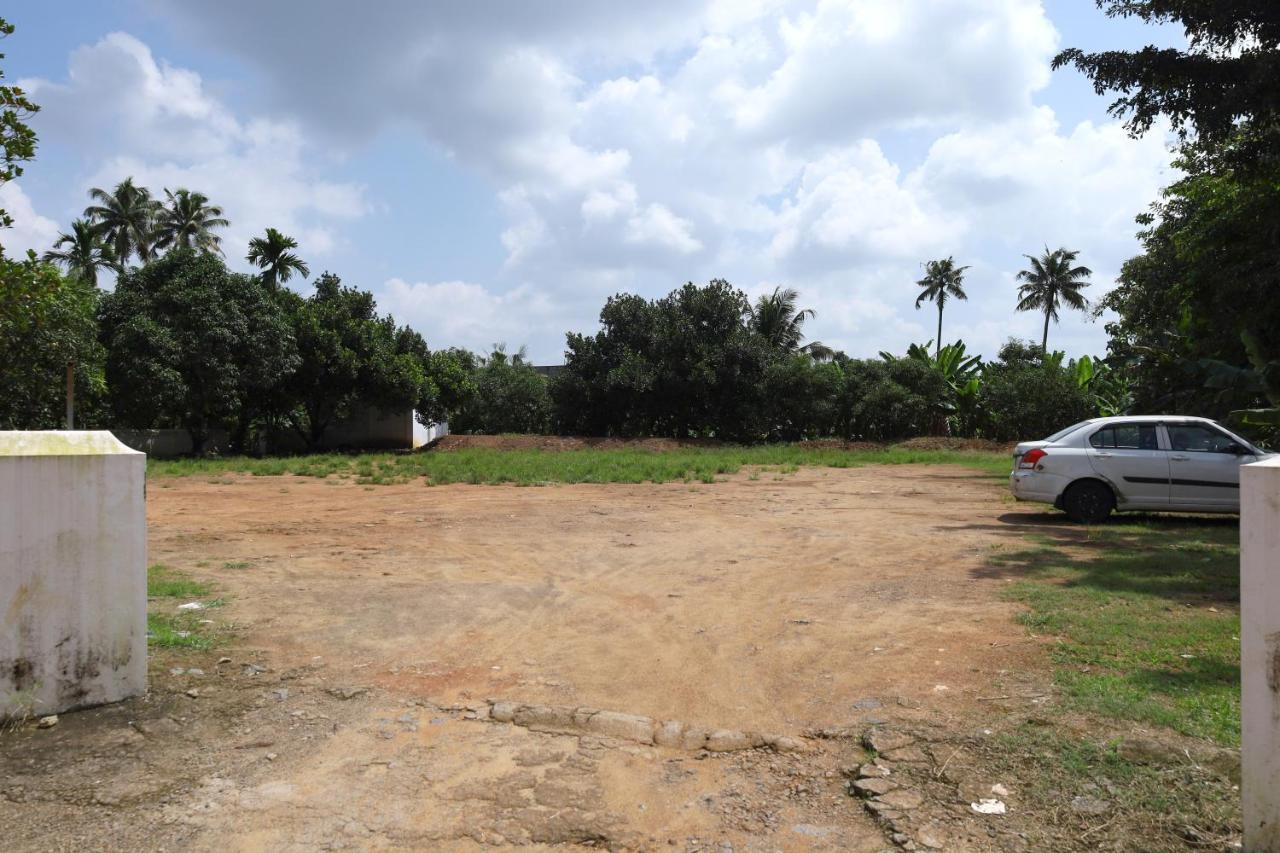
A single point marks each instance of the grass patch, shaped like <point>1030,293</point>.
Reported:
<point>592,465</point>
<point>164,582</point>
<point>1150,807</point>
<point>179,631</point>
<point>1146,617</point>
<point>237,564</point>
<point>170,629</point>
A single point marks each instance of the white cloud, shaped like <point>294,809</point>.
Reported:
<point>136,116</point>
<point>30,230</point>
<point>637,146</point>
<point>460,313</point>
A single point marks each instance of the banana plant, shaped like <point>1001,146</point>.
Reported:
<point>961,371</point>
<point>1260,379</point>
<point>1108,389</point>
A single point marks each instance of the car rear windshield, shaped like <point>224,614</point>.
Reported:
<point>1061,434</point>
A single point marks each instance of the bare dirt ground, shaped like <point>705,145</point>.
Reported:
<point>366,626</point>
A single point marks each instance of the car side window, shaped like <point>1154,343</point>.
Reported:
<point>1195,438</point>
<point>1126,437</point>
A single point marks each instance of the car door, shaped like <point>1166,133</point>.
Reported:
<point>1204,466</point>
<point>1130,457</point>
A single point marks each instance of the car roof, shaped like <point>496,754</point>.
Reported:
<point>1153,419</point>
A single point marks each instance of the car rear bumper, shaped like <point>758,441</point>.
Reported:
<point>1039,486</point>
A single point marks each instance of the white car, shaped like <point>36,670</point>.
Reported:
<point>1148,462</point>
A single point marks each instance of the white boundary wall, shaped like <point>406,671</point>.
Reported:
<point>1260,653</point>
<point>424,435</point>
<point>73,573</point>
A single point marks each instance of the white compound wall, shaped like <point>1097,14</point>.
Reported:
<point>73,574</point>
<point>1260,653</point>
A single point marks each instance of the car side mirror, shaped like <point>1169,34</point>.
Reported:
<point>1240,450</point>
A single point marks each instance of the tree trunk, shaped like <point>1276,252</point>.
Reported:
<point>937,353</point>
<point>199,438</point>
<point>1044,341</point>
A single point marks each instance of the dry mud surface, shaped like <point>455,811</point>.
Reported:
<point>372,624</point>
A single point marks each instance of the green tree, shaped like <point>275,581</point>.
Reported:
<point>46,321</point>
<point>187,221</point>
<point>125,217</point>
<point>802,397</point>
<point>942,279</point>
<point>1050,282</point>
<point>1221,87</point>
<point>82,253</point>
<point>686,365</point>
<point>889,400</point>
<point>351,358</point>
<point>1026,395</point>
<point>189,342</point>
<point>17,139</point>
<point>776,318</point>
<point>509,396</point>
<point>452,374</point>
<point>272,254</point>
<point>1203,291</point>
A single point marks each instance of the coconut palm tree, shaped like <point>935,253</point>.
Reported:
<point>775,318</point>
<point>125,218</point>
<point>187,221</point>
<point>85,252</point>
<point>942,279</point>
<point>271,254</point>
<point>1052,281</point>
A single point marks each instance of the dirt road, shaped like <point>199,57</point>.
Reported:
<point>363,621</point>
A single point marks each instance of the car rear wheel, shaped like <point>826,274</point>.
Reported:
<point>1089,502</point>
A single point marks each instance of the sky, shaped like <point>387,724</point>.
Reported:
<point>493,171</point>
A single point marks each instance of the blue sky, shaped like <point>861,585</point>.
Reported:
<point>493,171</point>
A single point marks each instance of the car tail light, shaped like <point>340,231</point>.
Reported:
<point>1031,457</point>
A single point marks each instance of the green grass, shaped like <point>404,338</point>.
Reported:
<point>1146,619</point>
<point>170,629</point>
<point>594,465</point>
<point>164,582</point>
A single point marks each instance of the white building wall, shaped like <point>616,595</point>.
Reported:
<point>1260,653</point>
<point>73,574</point>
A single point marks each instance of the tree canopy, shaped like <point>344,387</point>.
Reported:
<point>349,357</point>
<point>942,279</point>
<point>47,320</point>
<point>273,255</point>
<point>17,139</point>
<point>188,342</point>
<point>1053,279</point>
<point>1221,87</point>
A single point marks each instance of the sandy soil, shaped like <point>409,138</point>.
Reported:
<point>369,617</point>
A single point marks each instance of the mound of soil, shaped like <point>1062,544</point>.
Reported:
<point>578,442</point>
<point>565,442</point>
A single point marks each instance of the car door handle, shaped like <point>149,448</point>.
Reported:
<point>1103,455</point>
<point>1178,458</point>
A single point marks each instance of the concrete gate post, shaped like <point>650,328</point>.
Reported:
<point>73,572</point>
<point>1260,653</point>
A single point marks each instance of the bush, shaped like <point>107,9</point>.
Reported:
<point>887,400</point>
<point>505,394</point>
<point>1022,397</point>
